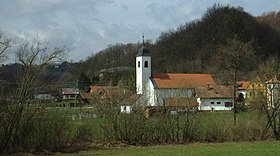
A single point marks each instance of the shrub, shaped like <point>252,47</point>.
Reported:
<point>84,134</point>
<point>37,131</point>
<point>217,131</point>
<point>247,131</point>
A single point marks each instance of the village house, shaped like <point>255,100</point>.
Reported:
<point>70,93</point>
<point>215,98</point>
<point>101,95</point>
<point>273,92</point>
<point>161,89</point>
<point>256,91</point>
<point>91,94</point>
<point>44,96</point>
<point>47,95</point>
<point>242,88</point>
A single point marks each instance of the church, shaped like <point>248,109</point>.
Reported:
<point>178,89</point>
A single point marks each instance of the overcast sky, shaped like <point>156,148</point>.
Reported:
<point>88,26</point>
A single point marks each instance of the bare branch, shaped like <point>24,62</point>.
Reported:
<point>38,53</point>
<point>5,43</point>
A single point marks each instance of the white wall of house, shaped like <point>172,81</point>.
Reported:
<point>126,109</point>
<point>244,92</point>
<point>69,96</point>
<point>215,104</point>
<point>273,94</point>
<point>44,96</point>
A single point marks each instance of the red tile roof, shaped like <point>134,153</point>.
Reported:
<point>103,92</point>
<point>97,89</point>
<point>89,96</point>
<point>215,92</point>
<point>68,91</point>
<point>132,99</point>
<point>273,81</point>
<point>177,81</point>
<point>243,85</point>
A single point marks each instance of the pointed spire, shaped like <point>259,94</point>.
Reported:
<point>143,39</point>
<point>143,51</point>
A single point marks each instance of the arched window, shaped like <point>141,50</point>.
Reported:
<point>146,64</point>
<point>138,64</point>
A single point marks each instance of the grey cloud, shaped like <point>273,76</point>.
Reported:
<point>88,26</point>
<point>172,15</point>
<point>124,6</point>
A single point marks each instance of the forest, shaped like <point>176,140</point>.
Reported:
<point>194,47</point>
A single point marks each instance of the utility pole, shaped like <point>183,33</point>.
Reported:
<point>234,96</point>
<point>77,89</point>
<point>2,88</point>
<point>76,93</point>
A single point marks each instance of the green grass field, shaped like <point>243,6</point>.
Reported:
<point>265,148</point>
<point>204,120</point>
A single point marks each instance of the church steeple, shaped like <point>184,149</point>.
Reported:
<point>143,51</point>
<point>143,68</point>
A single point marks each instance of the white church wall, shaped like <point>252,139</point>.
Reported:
<point>142,73</point>
<point>148,96</point>
<point>171,93</point>
<point>150,93</point>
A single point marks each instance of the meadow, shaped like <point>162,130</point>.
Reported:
<point>73,129</point>
<point>262,148</point>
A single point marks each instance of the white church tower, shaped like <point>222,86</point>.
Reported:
<point>143,68</point>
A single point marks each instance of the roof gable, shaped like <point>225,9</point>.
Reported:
<point>70,91</point>
<point>273,81</point>
<point>96,89</point>
<point>215,92</point>
<point>243,85</point>
<point>256,86</point>
<point>180,81</point>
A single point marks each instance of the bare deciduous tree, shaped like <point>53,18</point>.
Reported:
<point>34,57</point>
<point>5,43</point>
<point>270,71</point>
<point>235,58</point>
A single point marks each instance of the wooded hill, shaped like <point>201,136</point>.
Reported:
<point>191,48</point>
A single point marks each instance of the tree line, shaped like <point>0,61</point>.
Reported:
<point>195,46</point>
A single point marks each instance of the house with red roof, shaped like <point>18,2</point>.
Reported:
<point>242,88</point>
<point>107,94</point>
<point>215,98</point>
<point>273,92</point>
<point>70,93</point>
<point>177,89</point>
